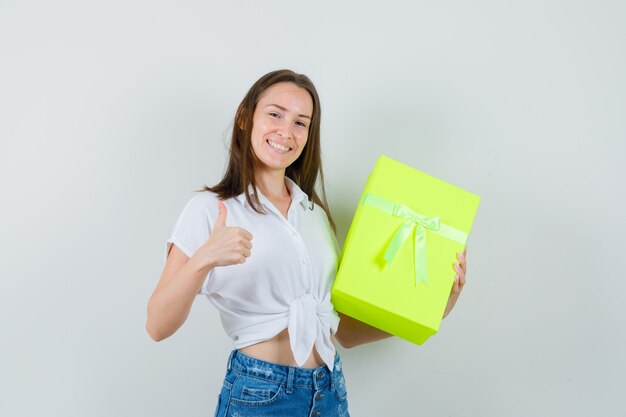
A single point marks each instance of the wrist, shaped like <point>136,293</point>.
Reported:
<point>202,262</point>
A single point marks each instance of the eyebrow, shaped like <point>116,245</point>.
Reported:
<point>284,109</point>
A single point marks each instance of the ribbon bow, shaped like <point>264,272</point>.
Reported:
<point>412,221</point>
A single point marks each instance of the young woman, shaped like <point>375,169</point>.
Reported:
<point>261,246</point>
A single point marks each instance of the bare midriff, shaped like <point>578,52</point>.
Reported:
<point>278,350</point>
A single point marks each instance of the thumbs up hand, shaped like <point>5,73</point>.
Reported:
<point>226,245</point>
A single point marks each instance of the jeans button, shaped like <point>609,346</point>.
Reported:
<point>319,376</point>
<point>319,396</point>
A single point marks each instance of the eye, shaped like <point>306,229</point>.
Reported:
<point>301,123</point>
<point>274,114</point>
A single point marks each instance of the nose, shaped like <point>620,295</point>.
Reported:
<point>284,130</point>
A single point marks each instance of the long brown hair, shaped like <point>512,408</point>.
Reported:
<point>304,171</point>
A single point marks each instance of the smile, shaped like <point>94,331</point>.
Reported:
<point>277,146</point>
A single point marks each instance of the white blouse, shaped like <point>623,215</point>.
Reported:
<point>286,281</point>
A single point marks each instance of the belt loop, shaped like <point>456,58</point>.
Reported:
<point>290,376</point>
<point>230,360</point>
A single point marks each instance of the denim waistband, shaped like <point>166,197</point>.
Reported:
<point>315,378</point>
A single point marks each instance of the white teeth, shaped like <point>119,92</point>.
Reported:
<point>277,146</point>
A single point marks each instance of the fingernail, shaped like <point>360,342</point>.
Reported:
<point>461,255</point>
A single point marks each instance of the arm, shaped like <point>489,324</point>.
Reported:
<point>352,332</point>
<point>171,301</point>
<point>182,276</point>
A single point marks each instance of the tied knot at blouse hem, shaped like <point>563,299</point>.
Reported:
<point>310,322</point>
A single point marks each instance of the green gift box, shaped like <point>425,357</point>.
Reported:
<point>396,265</point>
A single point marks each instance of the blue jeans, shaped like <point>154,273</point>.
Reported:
<point>253,387</point>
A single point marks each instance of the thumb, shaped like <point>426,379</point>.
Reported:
<point>221,217</point>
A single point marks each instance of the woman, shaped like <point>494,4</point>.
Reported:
<point>273,298</point>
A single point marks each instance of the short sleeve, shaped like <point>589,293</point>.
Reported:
<point>193,227</point>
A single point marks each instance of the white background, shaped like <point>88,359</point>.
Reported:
<point>113,113</point>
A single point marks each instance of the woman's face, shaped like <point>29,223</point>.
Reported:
<point>280,125</point>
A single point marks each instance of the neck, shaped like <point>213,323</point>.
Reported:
<point>272,185</point>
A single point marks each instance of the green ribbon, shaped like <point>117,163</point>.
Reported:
<point>412,221</point>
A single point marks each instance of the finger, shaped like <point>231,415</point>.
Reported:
<point>245,234</point>
<point>459,270</point>
<point>462,280</point>
<point>221,217</point>
<point>462,260</point>
<point>244,248</point>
